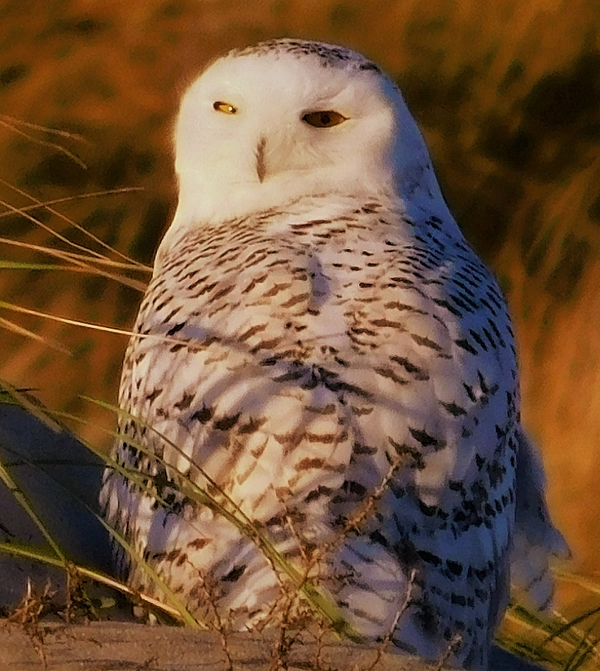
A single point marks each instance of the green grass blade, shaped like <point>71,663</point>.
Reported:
<point>24,502</point>
<point>178,605</point>
<point>34,553</point>
<point>13,396</point>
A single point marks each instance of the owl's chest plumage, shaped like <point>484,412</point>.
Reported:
<point>301,362</point>
<point>366,299</point>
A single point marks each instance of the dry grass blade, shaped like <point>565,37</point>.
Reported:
<point>178,605</point>
<point>68,199</point>
<point>23,212</point>
<point>26,551</point>
<point>17,265</point>
<point>570,627</point>
<point>14,396</point>
<point>46,129</point>
<point>72,257</point>
<point>585,648</point>
<point>586,582</point>
<point>24,502</point>
<point>89,325</point>
<point>555,641</point>
<point>48,229</point>
<point>4,121</point>
<point>20,330</point>
<point>71,322</point>
<point>84,266</point>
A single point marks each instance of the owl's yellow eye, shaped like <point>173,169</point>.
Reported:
<point>226,108</point>
<point>326,119</point>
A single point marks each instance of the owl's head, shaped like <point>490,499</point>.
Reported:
<point>289,118</point>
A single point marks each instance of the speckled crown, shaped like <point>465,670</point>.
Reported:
<point>329,55</point>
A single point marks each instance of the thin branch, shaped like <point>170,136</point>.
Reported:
<point>399,613</point>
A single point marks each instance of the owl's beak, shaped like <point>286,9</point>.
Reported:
<point>261,167</point>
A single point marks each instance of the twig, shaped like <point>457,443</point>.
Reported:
<point>27,615</point>
<point>399,613</point>
<point>453,647</point>
<point>219,626</point>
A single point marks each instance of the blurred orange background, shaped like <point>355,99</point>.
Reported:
<point>507,94</point>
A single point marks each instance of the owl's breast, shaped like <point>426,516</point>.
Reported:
<point>365,291</point>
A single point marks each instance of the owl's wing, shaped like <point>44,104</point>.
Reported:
<point>535,538</point>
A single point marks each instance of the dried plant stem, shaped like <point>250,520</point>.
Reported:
<point>399,613</point>
<point>23,212</point>
<point>45,143</point>
<point>14,121</point>
<point>27,615</point>
<point>67,199</point>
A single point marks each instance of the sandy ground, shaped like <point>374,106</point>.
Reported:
<point>110,646</point>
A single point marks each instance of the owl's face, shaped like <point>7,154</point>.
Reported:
<point>256,119</point>
<point>290,118</point>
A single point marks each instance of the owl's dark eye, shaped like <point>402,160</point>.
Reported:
<point>226,108</point>
<point>326,119</point>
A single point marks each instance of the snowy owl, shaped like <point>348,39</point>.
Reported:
<point>321,349</point>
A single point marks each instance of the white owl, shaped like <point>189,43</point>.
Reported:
<point>321,341</point>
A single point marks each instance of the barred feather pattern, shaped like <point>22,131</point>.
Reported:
<point>309,356</point>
